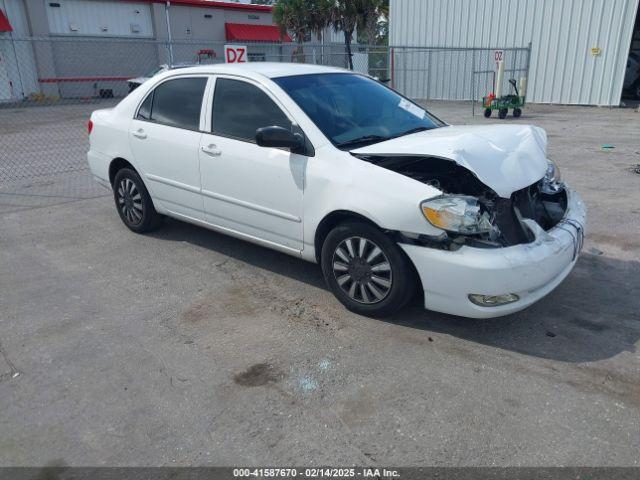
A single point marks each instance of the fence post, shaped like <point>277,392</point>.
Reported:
<point>527,70</point>
<point>15,54</point>
<point>473,86</point>
<point>404,74</point>
<point>429,74</point>
<point>368,53</point>
<point>392,65</point>
<point>169,39</point>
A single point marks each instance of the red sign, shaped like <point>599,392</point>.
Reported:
<point>235,53</point>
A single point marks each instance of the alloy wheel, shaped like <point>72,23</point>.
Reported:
<point>362,270</point>
<point>130,201</point>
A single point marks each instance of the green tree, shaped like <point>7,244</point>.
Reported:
<point>293,16</point>
<point>373,25</point>
<point>320,16</point>
<point>349,14</point>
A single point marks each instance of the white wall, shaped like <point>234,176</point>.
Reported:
<point>94,17</point>
<point>17,55</point>
<point>562,33</point>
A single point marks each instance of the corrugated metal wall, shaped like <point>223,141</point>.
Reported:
<point>562,34</point>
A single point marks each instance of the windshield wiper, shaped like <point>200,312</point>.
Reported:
<point>363,139</point>
<point>413,130</point>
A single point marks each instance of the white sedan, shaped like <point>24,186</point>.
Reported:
<point>337,168</point>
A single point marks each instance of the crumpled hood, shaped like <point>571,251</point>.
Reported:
<point>506,158</point>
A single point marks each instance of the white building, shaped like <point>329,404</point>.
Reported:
<point>78,48</point>
<point>579,48</point>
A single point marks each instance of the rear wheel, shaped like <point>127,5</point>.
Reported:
<point>366,270</point>
<point>502,113</point>
<point>487,112</point>
<point>517,112</point>
<point>133,202</point>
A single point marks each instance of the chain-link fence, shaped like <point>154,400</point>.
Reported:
<point>455,73</point>
<point>49,86</point>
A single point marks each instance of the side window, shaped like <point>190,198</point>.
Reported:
<point>144,112</point>
<point>240,108</point>
<point>177,103</point>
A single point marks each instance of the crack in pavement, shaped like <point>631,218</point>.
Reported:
<point>13,371</point>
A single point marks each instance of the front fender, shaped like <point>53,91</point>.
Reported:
<point>341,182</point>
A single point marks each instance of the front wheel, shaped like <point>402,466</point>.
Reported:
<point>366,270</point>
<point>502,113</point>
<point>517,112</point>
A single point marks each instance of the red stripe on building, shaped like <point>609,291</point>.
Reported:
<point>82,79</point>
<point>210,4</point>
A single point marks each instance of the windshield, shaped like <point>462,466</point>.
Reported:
<point>354,110</point>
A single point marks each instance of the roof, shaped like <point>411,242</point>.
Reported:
<point>254,33</point>
<point>212,4</point>
<point>265,69</point>
<point>5,26</point>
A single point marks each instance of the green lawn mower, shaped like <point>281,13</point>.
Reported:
<point>504,103</point>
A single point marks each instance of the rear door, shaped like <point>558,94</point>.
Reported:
<point>165,138</point>
<point>253,190</point>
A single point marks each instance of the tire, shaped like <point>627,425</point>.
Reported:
<point>502,113</point>
<point>517,112</point>
<point>133,202</point>
<point>636,91</point>
<point>378,284</point>
<point>487,112</point>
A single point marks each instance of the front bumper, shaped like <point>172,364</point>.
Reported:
<point>531,270</point>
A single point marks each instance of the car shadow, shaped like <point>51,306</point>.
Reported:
<point>593,315</point>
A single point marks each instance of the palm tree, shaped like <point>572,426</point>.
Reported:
<point>350,13</point>
<point>369,20</point>
<point>321,15</point>
<point>293,16</point>
<point>345,18</point>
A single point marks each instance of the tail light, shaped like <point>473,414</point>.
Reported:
<point>89,127</point>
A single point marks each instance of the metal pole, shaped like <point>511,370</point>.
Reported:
<point>528,66</point>
<point>428,74</point>
<point>473,84</point>
<point>169,39</point>
<point>392,67</point>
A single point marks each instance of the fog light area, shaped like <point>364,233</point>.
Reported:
<point>493,300</point>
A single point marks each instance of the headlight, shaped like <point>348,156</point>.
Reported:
<point>456,213</point>
<point>553,172</point>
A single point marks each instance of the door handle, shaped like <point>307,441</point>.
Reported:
<point>211,150</point>
<point>139,134</point>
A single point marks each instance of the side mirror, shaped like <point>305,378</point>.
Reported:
<point>280,138</point>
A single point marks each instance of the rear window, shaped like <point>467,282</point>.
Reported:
<point>176,103</point>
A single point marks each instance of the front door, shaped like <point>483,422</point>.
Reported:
<point>165,140</point>
<point>252,190</point>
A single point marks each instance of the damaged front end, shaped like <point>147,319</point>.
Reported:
<point>471,213</point>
